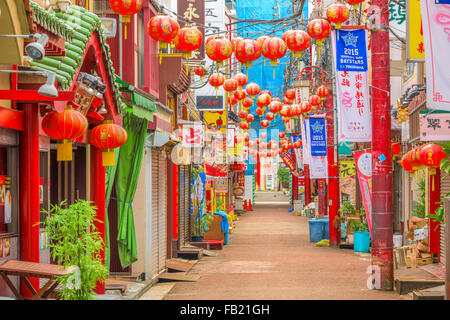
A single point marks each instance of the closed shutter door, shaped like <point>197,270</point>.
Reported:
<point>155,211</point>
<point>445,188</point>
<point>181,215</point>
<point>187,204</point>
<point>162,223</point>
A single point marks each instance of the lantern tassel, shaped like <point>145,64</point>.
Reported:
<point>64,150</point>
<point>108,158</point>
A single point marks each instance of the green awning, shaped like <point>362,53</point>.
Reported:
<point>140,105</point>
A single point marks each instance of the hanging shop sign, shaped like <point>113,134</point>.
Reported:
<point>397,16</point>
<point>209,103</point>
<point>317,135</point>
<point>351,52</point>
<point>434,126</point>
<point>415,49</point>
<point>193,135</point>
<point>352,91</point>
<point>363,161</point>
<point>347,168</point>
<point>197,192</point>
<point>193,13</point>
<point>221,185</point>
<point>436,33</point>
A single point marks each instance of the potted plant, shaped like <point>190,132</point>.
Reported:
<point>201,223</point>
<point>361,233</point>
<point>346,210</point>
<point>76,244</point>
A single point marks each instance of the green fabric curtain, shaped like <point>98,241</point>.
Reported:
<point>128,169</point>
<point>110,173</point>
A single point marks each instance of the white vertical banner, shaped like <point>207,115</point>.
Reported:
<point>436,34</point>
<point>248,187</point>
<point>305,144</point>
<point>352,86</point>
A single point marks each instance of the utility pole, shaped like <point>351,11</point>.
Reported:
<point>382,176</point>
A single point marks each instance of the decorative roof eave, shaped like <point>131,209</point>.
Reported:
<point>51,22</point>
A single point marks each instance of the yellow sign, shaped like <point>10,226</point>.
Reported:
<point>216,119</point>
<point>347,168</point>
<point>415,48</point>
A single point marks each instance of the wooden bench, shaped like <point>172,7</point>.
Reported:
<point>214,244</point>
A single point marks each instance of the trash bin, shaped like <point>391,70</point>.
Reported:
<point>362,241</point>
<point>316,230</point>
<point>326,230</point>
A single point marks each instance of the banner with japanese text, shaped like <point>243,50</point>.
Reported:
<point>415,49</point>
<point>298,151</point>
<point>289,161</point>
<point>317,135</point>
<point>347,168</point>
<point>434,125</point>
<point>352,87</point>
<point>192,135</point>
<point>363,160</point>
<point>435,18</point>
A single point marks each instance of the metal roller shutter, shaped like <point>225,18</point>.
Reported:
<point>445,188</point>
<point>187,204</point>
<point>162,216</point>
<point>155,210</point>
<point>181,201</point>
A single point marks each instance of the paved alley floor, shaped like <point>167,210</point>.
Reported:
<point>270,257</point>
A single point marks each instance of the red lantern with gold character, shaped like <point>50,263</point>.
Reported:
<point>285,111</point>
<point>247,51</point>
<point>274,48</point>
<point>259,111</point>
<point>250,118</point>
<point>244,125</point>
<point>252,89</point>
<point>270,116</point>
<point>218,49</point>
<point>318,29</point>
<point>285,35</point>
<point>431,155</point>
<point>108,136</point>
<point>126,8</point>
<point>296,110</point>
<point>263,100</point>
<point>64,126</point>
<point>314,100</point>
<point>187,40</point>
<point>323,92</point>
<point>232,100</point>
<point>216,80</point>
<point>338,13</point>
<point>240,94</point>
<point>275,106</point>
<point>230,85</point>
<point>247,103</point>
<point>242,114</point>
<point>406,165</point>
<point>241,79</point>
<point>265,123</point>
<point>298,41</point>
<point>290,94</point>
<point>163,29</point>
<point>306,106</point>
<point>235,41</point>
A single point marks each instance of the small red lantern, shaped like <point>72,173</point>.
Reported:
<point>314,100</point>
<point>265,123</point>
<point>216,80</point>
<point>247,51</point>
<point>187,40</point>
<point>252,89</point>
<point>323,92</point>
<point>218,49</point>
<point>108,136</point>
<point>274,48</point>
<point>270,116</point>
<point>338,13</point>
<point>241,79</point>
<point>290,94</point>
<point>250,118</point>
<point>275,106</point>
<point>355,3</point>
<point>318,29</point>
<point>244,125</point>
<point>287,101</point>
<point>242,114</point>
<point>230,85</point>
<point>285,119</point>
<point>240,94</point>
<point>396,148</point>
<point>298,41</point>
<point>297,144</point>
<point>431,155</point>
<point>200,71</point>
<point>126,8</point>
<point>263,100</point>
<point>259,111</point>
<point>232,100</point>
<point>406,165</point>
<point>64,126</point>
<point>285,111</point>
<point>306,106</point>
<point>247,103</point>
<point>281,135</point>
<point>296,110</point>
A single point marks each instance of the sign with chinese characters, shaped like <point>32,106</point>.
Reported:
<point>434,126</point>
<point>352,91</point>
<point>289,161</point>
<point>221,185</point>
<point>351,50</point>
<point>437,47</point>
<point>216,119</point>
<point>192,135</point>
<point>397,16</point>
<point>193,13</point>
<point>347,168</point>
<point>318,165</point>
<point>415,49</point>
<point>209,103</point>
<point>317,136</point>
<point>363,161</point>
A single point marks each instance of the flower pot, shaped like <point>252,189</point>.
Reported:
<point>197,238</point>
<point>362,241</point>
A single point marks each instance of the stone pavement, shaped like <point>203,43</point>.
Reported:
<point>270,257</point>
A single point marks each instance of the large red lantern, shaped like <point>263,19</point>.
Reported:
<point>64,126</point>
<point>275,106</point>
<point>240,94</point>
<point>235,41</point>
<point>126,8</point>
<point>232,100</point>
<point>163,29</point>
<point>270,116</point>
<point>230,85</point>
<point>187,40</point>
<point>263,100</point>
<point>298,41</point>
<point>285,111</point>
<point>338,13</point>
<point>108,136</point>
<point>259,111</point>
<point>290,94</point>
<point>247,51</point>
<point>265,123</point>
<point>323,92</point>
<point>218,49</point>
<point>314,100</point>
<point>261,39</point>
<point>431,155</point>
<point>241,79</point>
<point>252,89</point>
<point>318,29</point>
<point>274,48</point>
<point>406,165</point>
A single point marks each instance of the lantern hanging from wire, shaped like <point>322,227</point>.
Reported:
<point>247,102</point>
<point>285,111</point>
<point>216,80</point>
<point>276,99</point>
<point>218,49</point>
<point>319,29</point>
<point>275,106</point>
<point>281,135</point>
<point>297,42</point>
<point>126,8</point>
<point>235,41</point>
<point>322,92</point>
<point>241,79</point>
<point>406,165</point>
<point>306,106</point>
<point>298,144</point>
<point>108,136</point>
<point>64,127</point>
<point>263,101</point>
<point>286,34</point>
<point>270,116</point>
<point>201,72</point>
<point>274,48</point>
<point>163,29</point>
<point>247,51</point>
<point>261,40</point>
<point>290,94</point>
<point>396,148</point>
<point>252,89</point>
<point>242,114</point>
<point>230,85</point>
<point>250,118</point>
<point>240,95</point>
<point>338,13</point>
<point>265,123</point>
<point>188,39</point>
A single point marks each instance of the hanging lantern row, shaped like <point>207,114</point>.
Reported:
<point>429,155</point>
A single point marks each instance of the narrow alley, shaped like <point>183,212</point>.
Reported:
<point>270,257</point>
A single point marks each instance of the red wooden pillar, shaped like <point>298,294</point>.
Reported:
<point>175,200</point>
<point>98,198</point>
<point>307,185</point>
<point>434,230</point>
<point>322,195</point>
<point>258,171</point>
<point>29,191</point>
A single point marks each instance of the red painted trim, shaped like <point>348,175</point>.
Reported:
<point>434,231</point>
<point>32,95</point>
<point>175,201</point>
<point>11,119</point>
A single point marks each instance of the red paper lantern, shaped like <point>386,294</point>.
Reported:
<point>247,51</point>
<point>247,102</point>
<point>323,92</point>
<point>267,92</point>
<point>240,94</point>
<point>406,165</point>
<point>108,136</point>
<point>281,135</point>
<point>297,144</point>
<point>338,13</point>
<point>244,125</point>
<point>126,8</point>
<point>306,106</point>
<point>241,79</point>
<point>261,39</point>
<point>263,100</point>
<point>232,100</point>
<point>298,41</point>
<point>265,123</point>
<point>64,126</point>
<point>287,101</point>
<point>355,3</point>
<point>252,89</point>
<point>274,48</point>
<point>318,29</point>
<point>163,29</point>
<point>250,118</point>
<point>216,80</point>
<point>431,155</point>
<point>290,94</point>
<point>314,100</point>
<point>187,40</point>
<point>259,111</point>
<point>230,85</point>
<point>285,35</point>
<point>270,116</point>
<point>242,114</point>
<point>396,148</point>
<point>296,109</point>
<point>235,41</point>
<point>218,49</point>
<point>285,111</point>
<point>275,106</point>
<point>200,71</point>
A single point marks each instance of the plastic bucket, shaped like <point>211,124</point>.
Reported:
<point>362,241</point>
<point>326,230</point>
<point>315,230</point>
<point>398,240</point>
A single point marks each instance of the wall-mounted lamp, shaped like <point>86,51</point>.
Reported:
<point>48,89</point>
<point>35,49</point>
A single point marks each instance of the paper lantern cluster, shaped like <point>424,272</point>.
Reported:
<point>429,155</point>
